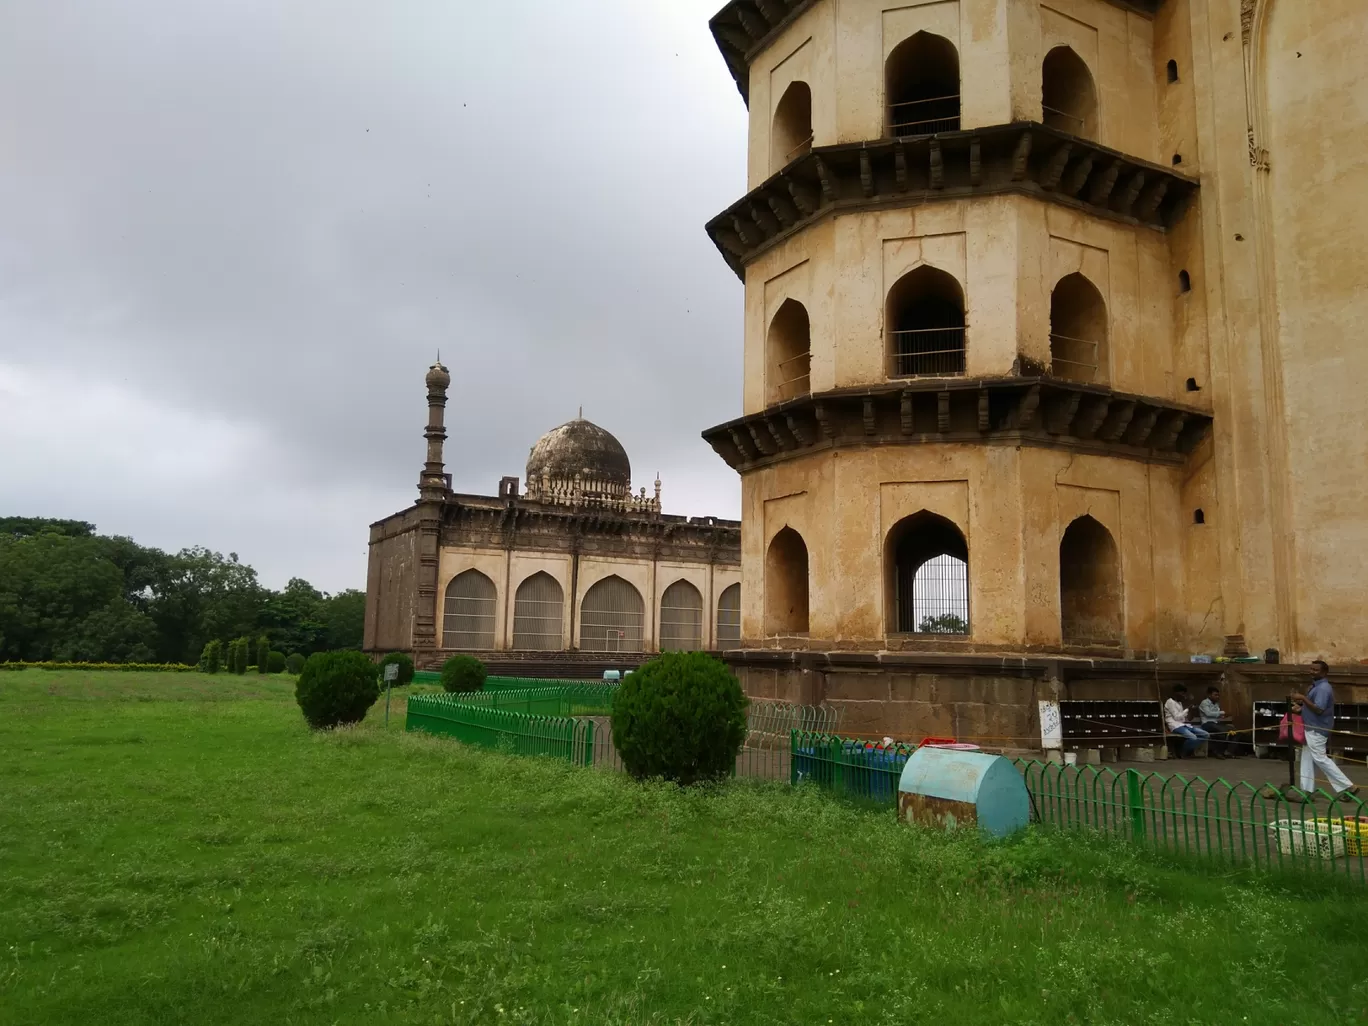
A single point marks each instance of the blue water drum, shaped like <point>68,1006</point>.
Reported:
<point>957,790</point>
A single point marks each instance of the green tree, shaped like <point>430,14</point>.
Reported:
<point>210,658</point>
<point>945,623</point>
<point>345,615</point>
<point>263,655</point>
<point>49,584</point>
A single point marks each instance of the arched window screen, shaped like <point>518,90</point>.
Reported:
<point>930,576</point>
<point>468,612</point>
<point>681,618</point>
<point>538,610</point>
<point>612,617</point>
<point>729,617</point>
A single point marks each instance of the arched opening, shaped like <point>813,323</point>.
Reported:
<point>927,571</point>
<point>612,617</point>
<point>1078,331</point>
<point>681,618</point>
<point>1089,585</point>
<point>538,614</point>
<point>1192,385</point>
<point>1067,94</point>
<point>1184,281</point>
<point>786,584</point>
<point>1173,71</point>
<point>729,617</point>
<point>468,612</point>
<point>922,86</point>
<point>1199,516</point>
<point>924,322</point>
<point>789,353</point>
<point>791,132</point>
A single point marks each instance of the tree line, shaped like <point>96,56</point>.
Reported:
<point>70,594</point>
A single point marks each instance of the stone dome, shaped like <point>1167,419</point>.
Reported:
<point>438,377</point>
<point>584,449</point>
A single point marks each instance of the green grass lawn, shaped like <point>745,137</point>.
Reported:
<point>181,849</point>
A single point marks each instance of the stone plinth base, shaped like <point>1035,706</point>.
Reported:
<point>994,700</point>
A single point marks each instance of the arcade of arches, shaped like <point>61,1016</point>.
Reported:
<point>574,564</point>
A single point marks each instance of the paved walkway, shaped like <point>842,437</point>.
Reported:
<point>1247,769</point>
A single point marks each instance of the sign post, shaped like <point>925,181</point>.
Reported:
<point>391,675</point>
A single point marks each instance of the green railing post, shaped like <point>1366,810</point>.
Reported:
<point>1135,795</point>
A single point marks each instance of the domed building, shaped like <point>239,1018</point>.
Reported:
<point>571,572</point>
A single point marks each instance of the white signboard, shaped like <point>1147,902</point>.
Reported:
<point>391,672</point>
<point>1051,727</point>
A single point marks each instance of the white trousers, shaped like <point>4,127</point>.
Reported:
<point>1314,755</point>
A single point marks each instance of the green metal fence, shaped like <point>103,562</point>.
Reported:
<point>1236,822</point>
<point>554,700</point>
<point>509,730</point>
<point>861,769</point>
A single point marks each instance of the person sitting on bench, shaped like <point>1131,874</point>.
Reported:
<point>1214,722</point>
<point>1176,720</point>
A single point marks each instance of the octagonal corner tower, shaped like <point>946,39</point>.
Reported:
<point>1008,387</point>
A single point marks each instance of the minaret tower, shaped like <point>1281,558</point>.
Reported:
<point>973,414</point>
<point>432,491</point>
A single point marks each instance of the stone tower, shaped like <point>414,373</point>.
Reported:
<point>433,486</point>
<point>1020,369</point>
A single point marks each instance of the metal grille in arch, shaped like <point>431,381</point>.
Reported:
<point>681,618</point>
<point>468,612</point>
<point>538,609</point>
<point>611,617</point>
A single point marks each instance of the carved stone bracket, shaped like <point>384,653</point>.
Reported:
<point>1024,158</point>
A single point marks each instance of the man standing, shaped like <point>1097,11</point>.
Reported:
<point>1176,720</point>
<point>1318,718</point>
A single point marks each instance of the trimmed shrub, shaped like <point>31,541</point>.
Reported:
<point>294,662</point>
<point>240,656</point>
<point>263,655</point>
<point>211,658</point>
<point>682,716</point>
<point>463,673</point>
<point>336,688</point>
<point>120,667</point>
<point>405,669</point>
<point>275,662</point>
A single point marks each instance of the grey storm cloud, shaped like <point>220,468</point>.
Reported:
<point>233,236</point>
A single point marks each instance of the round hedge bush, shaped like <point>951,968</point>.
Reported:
<point>275,662</point>
<point>336,688</point>
<point>405,668</point>
<point>463,673</point>
<point>294,662</point>
<point>682,716</point>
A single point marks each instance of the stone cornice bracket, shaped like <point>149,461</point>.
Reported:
<point>1025,159</point>
<point>1045,412</point>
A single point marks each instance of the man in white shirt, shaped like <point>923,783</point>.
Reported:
<point>1176,721</point>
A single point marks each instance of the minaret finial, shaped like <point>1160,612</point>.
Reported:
<point>581,413</point>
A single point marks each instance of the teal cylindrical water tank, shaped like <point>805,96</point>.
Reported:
<point>956,790</point>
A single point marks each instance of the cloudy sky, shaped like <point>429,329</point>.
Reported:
<point>233,236</point>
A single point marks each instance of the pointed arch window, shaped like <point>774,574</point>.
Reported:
<point>468,612</point>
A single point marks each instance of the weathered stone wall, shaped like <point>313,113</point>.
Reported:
<point>392,584</point>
